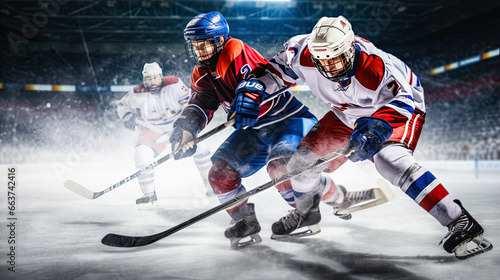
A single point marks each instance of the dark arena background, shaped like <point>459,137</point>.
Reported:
<point>64,64</point>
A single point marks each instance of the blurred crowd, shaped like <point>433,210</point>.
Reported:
<point>463,129</point>
<point>462,123</point>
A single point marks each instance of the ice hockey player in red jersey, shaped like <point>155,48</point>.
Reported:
<point>157,102</point>
<point>222,76</point>
<point>377,112</point>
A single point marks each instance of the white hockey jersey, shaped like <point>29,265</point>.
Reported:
<point>160,110</point>
<point>381,85</point>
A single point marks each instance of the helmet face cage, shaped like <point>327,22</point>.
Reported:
<point>337,68</point>
<point>204,52</point>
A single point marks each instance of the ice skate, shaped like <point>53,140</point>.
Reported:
<point>358,200</point>
<point>147,201</point>
<point>248,227</point>
<point>286,226</point>
<point>463,231</point>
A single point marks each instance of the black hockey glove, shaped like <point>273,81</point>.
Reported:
<point>129,121</point>
<point>186,129</point>
<point>368,137</point>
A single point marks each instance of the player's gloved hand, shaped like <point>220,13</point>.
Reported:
<point>129,121</point>
<point>368,137</point>
<point>182,142</point>
<point>246,106</point>
<point>185,131</point>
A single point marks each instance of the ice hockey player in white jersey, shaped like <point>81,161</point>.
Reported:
<point>156,104</point>
<point>377,112</point>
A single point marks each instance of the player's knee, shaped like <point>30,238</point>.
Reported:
<point>223,178</point>
<point>409,175</point>
<point>276,168</point>
<point>393,162</point>
<point>143,155</point>
<point>304,156</point>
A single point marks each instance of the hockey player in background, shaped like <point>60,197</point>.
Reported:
<point>377,112</point>
<point>158,102</point>
<point>223,67</point>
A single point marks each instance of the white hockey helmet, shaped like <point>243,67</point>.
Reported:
<point>332,47</point>
<point>152,77</point>
<point>151,69</point>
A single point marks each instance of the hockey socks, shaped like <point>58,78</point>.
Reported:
<point>423,187</point>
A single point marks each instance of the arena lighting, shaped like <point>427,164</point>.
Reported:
<point>465,62</point>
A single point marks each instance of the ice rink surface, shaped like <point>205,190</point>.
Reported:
<point>58,233</point>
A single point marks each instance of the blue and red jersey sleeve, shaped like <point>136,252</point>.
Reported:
<point>237,61</point>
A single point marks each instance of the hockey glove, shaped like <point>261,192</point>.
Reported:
<point>246,106</point>
<point>129,121</point>
<point>186,129</point>
<point>368,137</point>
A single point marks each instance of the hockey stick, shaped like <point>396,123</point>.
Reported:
<point>382,195</point>
<point>149,126</point>
<point>83,191</point>
<point>117,240</point>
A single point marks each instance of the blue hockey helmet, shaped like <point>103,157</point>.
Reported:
<point>208,27</point>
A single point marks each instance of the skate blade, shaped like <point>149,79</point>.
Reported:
<point>483,246</point>
<point>147,206</point>
<point>312,230</point>
<point>236,242</point>
<point>343,216</point>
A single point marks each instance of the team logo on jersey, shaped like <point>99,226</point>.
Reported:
<point>341,88</point>
<point>245,71</point>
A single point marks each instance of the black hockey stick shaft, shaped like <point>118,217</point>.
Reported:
<point>117,240</point>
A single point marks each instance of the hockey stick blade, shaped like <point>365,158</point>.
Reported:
<point>117,240</point>
<point>79,189</point>
<point>383,194</point>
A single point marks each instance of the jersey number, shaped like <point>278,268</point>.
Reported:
<point>394,87</point>
<point>245,71</point>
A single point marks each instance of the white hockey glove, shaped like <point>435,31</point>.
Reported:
<point>129,121</point>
